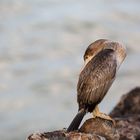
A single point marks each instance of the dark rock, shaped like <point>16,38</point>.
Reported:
<point>128,105</point>
<point>129,127</point>
<point>127,115</point>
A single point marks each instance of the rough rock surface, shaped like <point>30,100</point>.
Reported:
<point>127,117</point>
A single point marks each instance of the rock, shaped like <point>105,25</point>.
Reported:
<point>101,127</point>
<point>129,128</point>
<point>61,135</point>
<point>126,115</point>
<point>128,105</point>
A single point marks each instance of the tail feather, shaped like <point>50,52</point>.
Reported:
<point>76,121</point>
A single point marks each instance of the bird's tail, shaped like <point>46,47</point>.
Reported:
<point>77,120</point>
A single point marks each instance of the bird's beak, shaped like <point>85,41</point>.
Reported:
<point>85,62</point>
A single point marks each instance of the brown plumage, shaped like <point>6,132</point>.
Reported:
<point>102,60</point>
<point>95,79</point>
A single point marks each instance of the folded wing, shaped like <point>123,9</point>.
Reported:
<point>96,79</point>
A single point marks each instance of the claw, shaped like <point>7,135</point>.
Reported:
<point>97,113</point>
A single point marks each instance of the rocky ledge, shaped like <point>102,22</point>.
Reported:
<point>127,127</point>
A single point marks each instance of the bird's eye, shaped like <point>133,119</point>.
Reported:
<point>86,57</point>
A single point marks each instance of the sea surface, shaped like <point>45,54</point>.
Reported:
<point>41,54</point>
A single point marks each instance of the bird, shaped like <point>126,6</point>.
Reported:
<point>102,60</point>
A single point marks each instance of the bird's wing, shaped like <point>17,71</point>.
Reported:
<point>96,78</point>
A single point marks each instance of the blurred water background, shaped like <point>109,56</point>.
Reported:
<point>41,48</point>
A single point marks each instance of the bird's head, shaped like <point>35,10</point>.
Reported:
<point>93,49</point>
<point>101,44</point>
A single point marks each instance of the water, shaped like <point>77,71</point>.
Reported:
<point>41,48</point>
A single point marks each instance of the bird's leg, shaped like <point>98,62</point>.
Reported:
<point>97,113</point>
